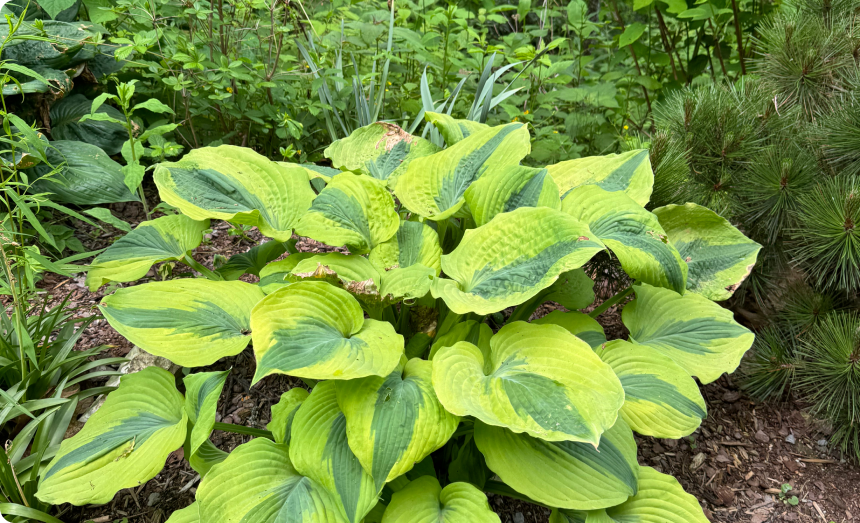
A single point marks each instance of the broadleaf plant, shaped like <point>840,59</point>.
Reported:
<point>426,375</point>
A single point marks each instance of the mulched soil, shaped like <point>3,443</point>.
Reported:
<point>734,464</point>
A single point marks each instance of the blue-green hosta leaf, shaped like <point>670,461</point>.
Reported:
<point>628,172</point>
<point>395,421</point>
<point>317,331</point>
<point>158,240</point>
<point>380,150</point>
<point>509,188</point>
<point>476,333</point>
<point>352,211</point>
<point>425,501</point>
<point>319,450</point>
<point>512,258</point>
<point>66,123</point>
<point>124,444</point>
<point>580,325</point>
<point>202,391</point>
<point>188,514</point>
<point>452,129</point>
<point>319,171</point>
<point>699,335</point>
<point>660,398</point>
<point>414,243</point>
<point>720,257</point>
<point>283,413</point>
<point>258,483</point>
<point>238,185</point>
<point>537,379</point>
<point>88,175</point>
<point>252,261</point>
<point>274,275</point>
<point>632,233</point>
<point>661,499</point>
<point>564,474</point>
<point>206,457</point>
<point>434,186</point>
<point>192,322</point>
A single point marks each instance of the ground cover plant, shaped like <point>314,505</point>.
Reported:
<point>425,376</point>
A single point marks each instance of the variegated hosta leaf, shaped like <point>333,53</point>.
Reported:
<point>720,257</point>
<point>317,331</point>
<point>258,483</point>
<point>202,391</point>
<point>206,457</point>
<point>238,185</point>
<point>320,451</point>
<point>699,335</point>
<point>395,421</point>
<point>186,515</point>
<point>274,275</point>
<point>425,501</point>
<point>631,232</point>
<point>353,273</point>
<point>124,444</point>
<point>661,499</point>
<point>318,171</point>
<point>564,474</point>
<point>353,211</point>
<point>580,325</point>
<point>628,172</point>
<point>572,290</point>
<point>660,398</point>
<point>476,333</point>
<point>512,258</point>
<point>414,243</point>
<point>131,257</point>
<point>408,283</point>
<point>381,150</point>
<point>192,322</point>
<point>284,412</point>
<point>252,261</point>
<point>509,188</point>
<point>537,379</point>
<point>452,129</point>
<point>433,186</point>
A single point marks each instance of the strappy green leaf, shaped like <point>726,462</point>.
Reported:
<point>425,501</point>
<point>509,188</point>
<point>628,172</point>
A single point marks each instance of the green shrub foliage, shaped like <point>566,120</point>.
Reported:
<point>416,401</point>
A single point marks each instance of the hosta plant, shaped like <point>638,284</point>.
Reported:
<point>417,406</point>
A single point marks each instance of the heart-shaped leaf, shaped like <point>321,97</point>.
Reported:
<point>131,257</point>
<point>537,379</point>
<point>628,172</point>
<point>696,333</point>
<point>719,256</point>
<point>191,322</point>
<point>513,258</point>
<point>238,185</point>
<point>580,325</point>
<point>425,501</point>
<point>317,331</point>
<point>632,233</point>
<point>564,474</point>
<point>66,123</point>
<point>395,421</point>
<point>124,444</point>
<point>509,188</point>
<point>284,412</point>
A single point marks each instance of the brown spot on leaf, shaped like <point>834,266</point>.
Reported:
<point>394,134</point>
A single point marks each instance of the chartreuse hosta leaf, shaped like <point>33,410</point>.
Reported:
<point>572,290</point>
<point>434,186</point>
<point>452,129</point>
<point>537,379</point>
<point>631,232</point>
<point>425,501</point>
<point>660,499</point>
<point>508,188</point>
<point>131,257</point>
<point>414,243</point>
<point>381,150</point>
<point>319,450</point>
<point>352,211</point>
<point>188,514</point>
<point>192,322</point>
<point>202,391</point>
<point>395,421</point>
<point>317,171</point>
<point>238,185</point>
<point>564,474</point>
<point>284,412</point>
<point>699,335</point>
<point>124,444</point>
<point>258,483</point>
<point>628,172</point>
<point>580,325</point>
<point>513,258</point>
<point>660,398</point>
<point>274,275</point>
<point>317,331</point>
<point>720,257</point>
<point>476,333</point>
